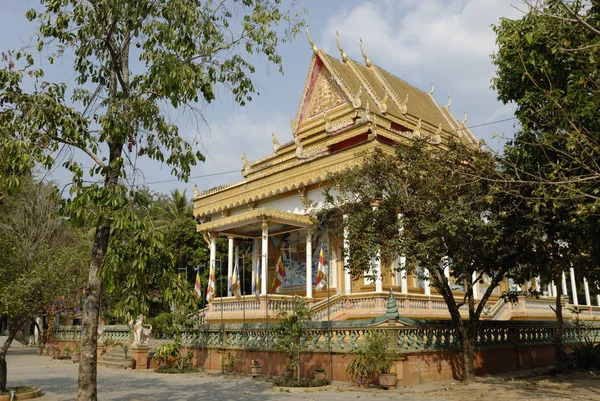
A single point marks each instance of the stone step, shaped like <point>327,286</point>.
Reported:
<point>110,364</point>
<point>112,358</point>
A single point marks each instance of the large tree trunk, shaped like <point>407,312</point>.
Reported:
<point>560,327</point>
<point>466,346</point>
<point>3,367</point>
<point>87,387</point>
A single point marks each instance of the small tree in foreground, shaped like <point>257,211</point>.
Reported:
<point>455,231</point>
<point>41,259</point>
<point>290,330</point>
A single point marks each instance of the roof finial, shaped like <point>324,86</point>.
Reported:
<point>432,87</point>
<point>276,144</point>
<point>312,44</point>
<point>367,61</point>
<point>464,121</point>
<point>449,101</point>
<point>245,162</point>
<point>342,52</point>
<point>383,104</point>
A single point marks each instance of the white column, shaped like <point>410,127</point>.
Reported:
<point>36,332</point>
<point>426,282</point>
<point>229,266</point>
<point>554,292</point>
<point>564,285</point>
<point>403,278</point>
<point>446,265</point>
<point>574,288</point>
<point>378,278</point>
<point>213,254</point>
<point>538,285</point>
<point>598,299</point>
<point>309,283</point>
<point>255,246</point>
<point>265,258</point>
<point>586,289</point>
<point>237,259</point>
<point>475,286</point>
<point>347,276</point>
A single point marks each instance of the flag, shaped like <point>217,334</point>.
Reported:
<point>235,282</point>
<point>197,288</point>
<point>321,272</point>
<point>211,291</point>
<point>256,286</point>
<point>279,275</point>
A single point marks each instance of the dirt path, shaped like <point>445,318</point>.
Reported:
<point>531,387</point>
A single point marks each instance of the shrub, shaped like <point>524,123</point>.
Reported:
<point>304,382</point>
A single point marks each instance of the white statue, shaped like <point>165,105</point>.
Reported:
<point>141,331</point>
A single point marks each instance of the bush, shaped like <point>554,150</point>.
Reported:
<point>289,382</point>
<point>161,325</point>
<point>175,370</point>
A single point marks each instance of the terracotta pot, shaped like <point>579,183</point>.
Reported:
<point>360,381</point>
<point>75,358</point>
<point>388,380</point>
<point>128,363</point>
<point>320,375</point>
<point>255,370</point>
<point>288,373</point>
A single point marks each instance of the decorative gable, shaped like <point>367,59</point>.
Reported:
<point>321,92</point>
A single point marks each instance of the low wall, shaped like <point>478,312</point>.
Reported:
<point>429,350</point>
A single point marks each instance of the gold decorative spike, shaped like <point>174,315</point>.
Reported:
<point>245,162</point>
<point>356,102</point>
<point>276,144</point>
<point>432,88</point>
<point>449,101</point>
<point>196,192</point>
<point>417,131</point>
<point>367,112</point>
<point>293,125</point>
<point>342,52</point>
<point>404,105</point>
<point>367,61</point>
<point>436,138</point>
<point>438,131</point>
<point>383,105</point>
<point>312,44</point>
<point>464,121</point>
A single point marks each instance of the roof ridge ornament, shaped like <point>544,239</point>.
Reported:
<point>464,121</point>
<point>432,87</point>
<point>342,52</point>
<point>383,104</point>
<point>449,101</point>
<point>404,105</point>
<point>328,127</point>
<point>276,144</point>
<point>356,102</point>
<point>315,49</point>
<point>245,165</point>
<point>367,60</point>
<point>416,134</point>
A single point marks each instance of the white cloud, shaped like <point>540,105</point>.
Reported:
<point>419,41</point>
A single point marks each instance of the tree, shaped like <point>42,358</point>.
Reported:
<point>454,230</point>
<point>289,331</point>
<point>41,259</point>
<point>118,109</point>
<point>547,65</point>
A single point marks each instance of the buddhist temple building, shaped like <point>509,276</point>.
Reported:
<point>347,109</point>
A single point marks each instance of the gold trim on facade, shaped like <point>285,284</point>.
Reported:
<point>257,216</point>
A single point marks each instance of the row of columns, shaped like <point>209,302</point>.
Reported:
<point>263,243</point>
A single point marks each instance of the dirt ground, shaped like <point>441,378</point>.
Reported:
<point>534,386</point>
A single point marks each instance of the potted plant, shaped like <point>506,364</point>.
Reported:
<point>75,355</point>
<point>40,348</point>
<point>320,374</point>
<point>360,369</point>
<point>290,332</point>
<point>67,350</point>
<point>227,361</point>
<point>164,352</point>
<point>127,362</point>
<point>378,349</point>
<point>255,367</point>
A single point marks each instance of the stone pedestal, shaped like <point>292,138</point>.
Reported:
<point>140,355</point>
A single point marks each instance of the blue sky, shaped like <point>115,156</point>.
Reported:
<point>419,41</point>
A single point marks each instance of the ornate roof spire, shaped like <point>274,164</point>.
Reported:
<point>432,87</point>
<point>449,101</point>
<point>312,44</point>
<point>276,144</point>
<point>367,61</point>
<point>342,52</point>
<point>464,121</point>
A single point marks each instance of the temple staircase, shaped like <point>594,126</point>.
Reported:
<point>113,358</point>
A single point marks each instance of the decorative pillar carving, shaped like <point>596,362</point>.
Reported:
<point>347,276</point>
<point>309,284</point>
